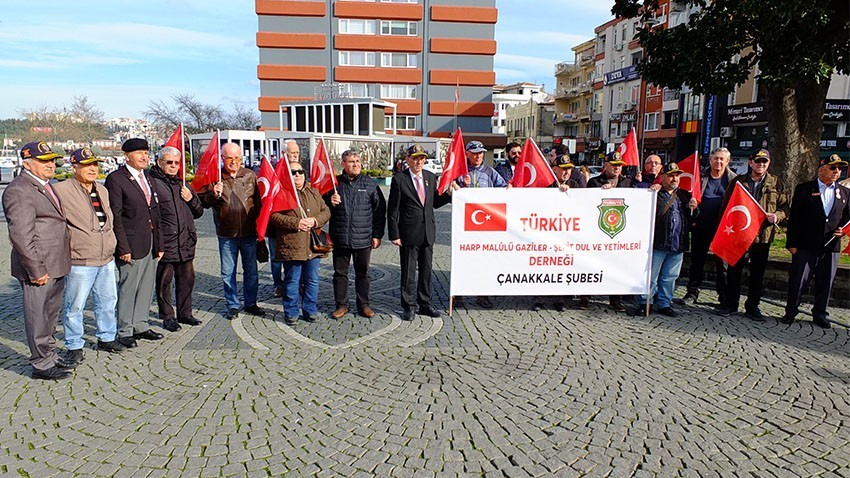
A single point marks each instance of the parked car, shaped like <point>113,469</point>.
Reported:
<point>434,165</point>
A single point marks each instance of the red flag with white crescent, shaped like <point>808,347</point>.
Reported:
<point>322,175</point>
<point>455,164</point>
<point>739,226</point>
<point>176,141</point>
<point>269,187</point>
<point>628,149</point>
<point>532,170</point>
<point>690,179</point>
<point>209,167</point>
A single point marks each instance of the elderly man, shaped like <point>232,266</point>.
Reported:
<point>41,256</point>
<point>819,209</point>
<point>135,210</point>
<point>651,168</point>
<point>506,170</point>
<point>235,201</point>
<point>769,191</point>
<point>292,153</point>
<point>673,216</point>
<point>714,182</point>
<point>89,218</point>
<point>358,217</point>
<point>410,226</point>
<point>178,209</point>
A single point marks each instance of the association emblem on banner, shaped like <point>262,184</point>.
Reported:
<point>612,216</point>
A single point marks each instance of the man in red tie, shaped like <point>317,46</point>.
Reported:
<point>134,204</point>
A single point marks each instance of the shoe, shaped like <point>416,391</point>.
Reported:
<point>256,311</point>
<point>537,307</point>
<point>189,321</point>
<point>52,373</point>
<point>822,323</point>
<point>755,315</point>
<point>148,335</point>
<point>171,325</point>
<point>639,311</point>
<point>559,307</point>
<point>290,320</point>
<point>690,298</point>
<point>583,303</point>
<point>407,315</point>
<point>430,312</point>
<point>617,306</point>
<point>367,312</point>
<point>231,314</point>
<point>668,311</point>
<point>313,317</point>
<point>724,311</point>
<point>484,301</point>
<point>278,291</point>
<point>72,359</point>
<point>112,347</point>
<point>339,313</point>
<point>787,319</point>
<point>127,342</point>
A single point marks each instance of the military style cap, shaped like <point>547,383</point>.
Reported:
<point>833,160</point>
<point>671,168</point>
<point>38,150</point>
<point>615,158</point>
<point>83,156</point>
<point>563,161</point>
<point>416,150</point>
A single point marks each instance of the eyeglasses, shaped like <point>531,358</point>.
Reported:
<point>233,158</point>
<point>172,163</point>
<point>835,168</point>
<point>296,172</point>
<point>761,161</point>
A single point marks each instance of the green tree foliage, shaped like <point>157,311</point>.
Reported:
<point>794,46</point>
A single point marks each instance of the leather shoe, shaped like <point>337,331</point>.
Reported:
<point>278,291</point>
<point>189,321</point>
<point>112,347</point>
<point>616,306</point>
<point>583,303</point>
<point>689,299</point>
<point>290,320</point>
<point>72,359</point>
<point>407,315</point>
<point>822,323</point>
<point>232,314</point>
<point>339,313</point>
<point>367,312</point>
<point>755,315</point>
<point>668,311</point>
<point>148,335</point>
<point>725,311</point>
<point>127,342</point>
<point>171,325</point>
<point>313,317</point>
<point>52,373</point>
<point>430,312</point>
<point>787,319</point>
<point>254,310</point>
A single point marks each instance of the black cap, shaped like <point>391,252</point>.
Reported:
<point>135,144</point>
<point>563,161</point>
<point>833,160</point>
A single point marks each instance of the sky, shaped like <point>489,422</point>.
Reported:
<point>123,55</point>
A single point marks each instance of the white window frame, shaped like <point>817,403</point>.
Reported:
<point>650,122</point>
<point>345,26</point>
<point>359,90</point>
<point>411,28</point>
<point>345,58</point>
<point>398,92</point>
<point>403,123</point>
<point>387,60</point>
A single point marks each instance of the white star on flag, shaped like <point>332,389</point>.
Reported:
<point>729,230</point>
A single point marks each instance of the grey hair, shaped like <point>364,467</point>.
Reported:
<point>350,152</point>
<point>168,151</point>
<point>723,151</point>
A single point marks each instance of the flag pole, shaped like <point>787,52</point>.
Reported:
<point>457,99</point>
<point>330,166</point>
<point>833,237</point>
<point>217,137</point>
<point>183,148</point>
<point>651,241</point>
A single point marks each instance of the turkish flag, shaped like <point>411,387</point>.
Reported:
<point>455,164</point>
<point>629,150</point>
<point>277,191</point>
<point>690,179</point>
<point>209,166</point>
<point>485,217</point>
<point>322,175</point>
<point>532,170</point>
<point>176,141</point>
<point>846,231</point>
<point>739,226</point>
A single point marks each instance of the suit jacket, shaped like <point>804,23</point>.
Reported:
<point>136,224</point>
<point>808,226</point>
<point>407,218</point>
<point>40,240</point>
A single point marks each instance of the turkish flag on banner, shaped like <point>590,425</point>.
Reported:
<point>629,150</point>
<point>455,164</point>
<point>322,175</point>
<point>277,190</point>
<point>690,179</point>
<point>485,217</point>
<point>739,226</point>
<point>176,141</point>
<point>209,166</point>
<point>532,170</point>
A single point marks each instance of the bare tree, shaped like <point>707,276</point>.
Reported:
<point>185,108</point>
<point>242,117</point>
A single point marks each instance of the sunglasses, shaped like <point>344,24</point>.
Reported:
<point>835,168</point>
<point>172,163</point>
<point>761,161</point>
<point>296,172</point>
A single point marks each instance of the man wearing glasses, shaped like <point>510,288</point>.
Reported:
<point>506,170</point>
<point>819,209</point>
<point>235,201</point>
<point>769,192</point>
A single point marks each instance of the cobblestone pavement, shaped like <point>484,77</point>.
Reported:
<point>508,392</point>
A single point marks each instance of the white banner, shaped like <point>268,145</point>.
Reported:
<point>541,241</point>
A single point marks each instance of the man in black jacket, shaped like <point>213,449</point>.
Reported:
<point>178,209</point>
<point>819,210</point>
<point>358,217</point>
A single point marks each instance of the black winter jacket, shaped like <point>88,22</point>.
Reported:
<point>177,218</point>
<point>362,214</point>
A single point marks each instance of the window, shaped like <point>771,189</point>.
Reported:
<point>359,90</point>
<point>650,122</point>
<point>398,60</point>
<point>357,27</point>
<point>356,58</point>
<point>402,122</point>
<point>399,28</point>
<point>403,92</point>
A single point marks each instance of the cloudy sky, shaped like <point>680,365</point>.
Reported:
<point>125,54</point>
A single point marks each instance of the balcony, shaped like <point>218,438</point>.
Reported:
<point>565,118</point>
<point>586,60</point>
<point>564,67</point>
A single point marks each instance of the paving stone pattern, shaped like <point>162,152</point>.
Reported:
<point>496,393</point>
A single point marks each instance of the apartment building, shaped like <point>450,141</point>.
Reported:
<point>574,100</point>
<point>506,96</point>
<point>432,59</point>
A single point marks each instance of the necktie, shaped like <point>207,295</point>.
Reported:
<point>144,187</point>
<point>53,195</point>
<point>420,189</point>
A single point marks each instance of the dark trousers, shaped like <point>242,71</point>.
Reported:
<point>183,274</point>
<point>342,259</point>
<point>757,258</point>
<point>700,240</point>
<point>805,265</point>
<point>41,314</point>
<point>413,257</point>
